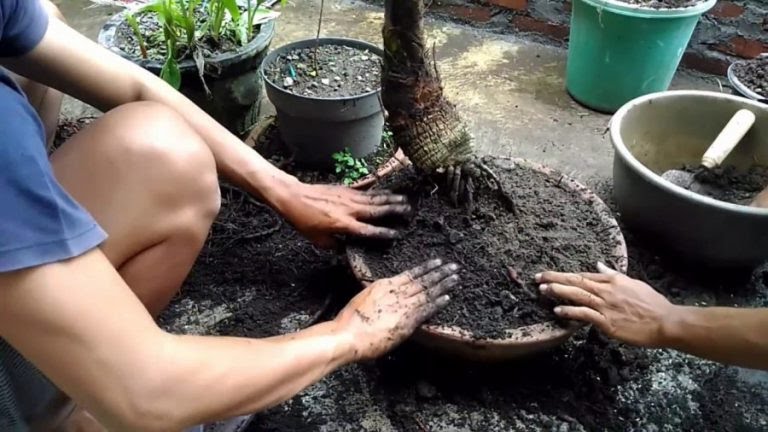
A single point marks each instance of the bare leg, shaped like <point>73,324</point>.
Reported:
<point>151,183</point>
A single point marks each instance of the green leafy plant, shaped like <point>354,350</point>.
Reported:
<point>349,167</point>
<point>185,24</point>
<point>131,19</point>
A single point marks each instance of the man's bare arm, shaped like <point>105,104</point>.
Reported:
<point>633,312</point>
<point>726,335</point>
<point>70,62</point>
<point>83,327</point>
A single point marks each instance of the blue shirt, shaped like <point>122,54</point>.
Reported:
<point>40,223</point>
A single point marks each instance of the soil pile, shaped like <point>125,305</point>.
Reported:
<point>731,185</point>
<point>255,277</point>
<point>499,252</point>
<point>754,75</point>
<point>333,71</point>
<point>588,384</point>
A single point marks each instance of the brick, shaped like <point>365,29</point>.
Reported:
<point>707,64</point>
<point>528,24</point>
<point>478,14</point>
<point>726,9</point>
<point>743,47</point>
<point>510,4</point>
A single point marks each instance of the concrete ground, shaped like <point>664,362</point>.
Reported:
<point>511,92</point>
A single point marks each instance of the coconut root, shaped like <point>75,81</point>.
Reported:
<point>424,123</point>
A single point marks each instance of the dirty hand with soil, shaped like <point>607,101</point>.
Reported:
<point>633,312</point>
<point>388,311</point>
<point>320,212</point>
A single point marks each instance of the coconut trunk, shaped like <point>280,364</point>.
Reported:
<point>424,123</point>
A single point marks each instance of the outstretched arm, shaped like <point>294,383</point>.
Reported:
<point>67,61</point>
<point>82,326</point>
<point>633,312</point>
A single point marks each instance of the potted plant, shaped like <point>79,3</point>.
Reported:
<point>210,50</point>
<point>623,49</point>
<point>326,92</point>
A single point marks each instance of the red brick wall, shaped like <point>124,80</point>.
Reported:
<point>732,30</point>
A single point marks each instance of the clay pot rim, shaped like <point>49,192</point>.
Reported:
<point>525,335</point>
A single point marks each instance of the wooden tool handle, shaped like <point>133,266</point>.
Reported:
<point>729,137</point>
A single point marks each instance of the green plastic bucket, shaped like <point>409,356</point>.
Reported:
<point>618,51</point>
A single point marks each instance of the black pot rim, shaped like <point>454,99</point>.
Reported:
<point>353,43</point>
<point>108,37</point>
<point>740,86</point>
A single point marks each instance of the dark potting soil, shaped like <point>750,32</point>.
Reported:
<point>499,252</point>
<point>152,33</point>
<point>255,277</point>
<point>272,147</point>
<point>664,4</point>
<point>588,384</point>
<point>731,185</point>
<point>335,71</point>
<point>754,75</point>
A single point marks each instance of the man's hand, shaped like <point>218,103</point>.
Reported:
<point>322,211</point>
<point>387,312</point>
<point>621,307</point>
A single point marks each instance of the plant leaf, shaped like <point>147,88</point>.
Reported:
<point>234,11</point>
<point>170,72</point>
<point>263,15</point>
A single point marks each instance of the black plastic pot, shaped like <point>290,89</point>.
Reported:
<point>233,78</point>
<point>316,128</point>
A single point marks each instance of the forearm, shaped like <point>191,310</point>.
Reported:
<point>216,378</point>
<point>726,335</point>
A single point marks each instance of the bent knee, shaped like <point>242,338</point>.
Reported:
<point>155,139</point>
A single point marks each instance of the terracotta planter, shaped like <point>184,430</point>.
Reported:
<point>519,341</point>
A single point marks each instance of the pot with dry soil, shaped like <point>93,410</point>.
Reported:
<point>497,312</point>
<point>750,78</point>
<point>327,95</point>
<point>230,88</point>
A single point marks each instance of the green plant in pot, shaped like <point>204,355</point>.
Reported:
<point>210,50</point>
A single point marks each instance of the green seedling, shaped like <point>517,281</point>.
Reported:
<point>183,27</point>
<point>348,167</point>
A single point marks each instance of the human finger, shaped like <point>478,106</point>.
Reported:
<point>582,280</point>
<point>572,294</point>
<point>604,269</point>
<point>429,309</point>
<point>362,229</point>
<point>417,272</point>
<point>379,197</point>
<point>442,288</point>
<point>379,211</point>
<point>581,313</point>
